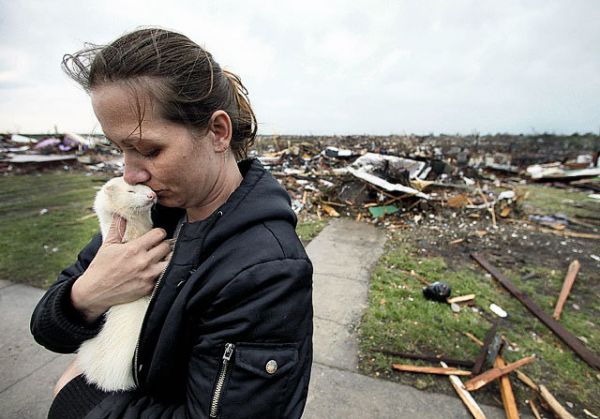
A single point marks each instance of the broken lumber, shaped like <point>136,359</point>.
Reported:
<point>506,392</point>
<point>487,341</point>
<point>428,357</point>
<point>575,234</point>
<point>330,210</point>
<point>556,407</point>
<point>527,381</point>
<point>418,277</point>
<point>464,395</point>
<point>566,288</point>
<point>575,344</point>
<point>461,298</point>
<point>490,375</point>
<point>534,409</point>
<point>429,370</point>
<point>473,338</point>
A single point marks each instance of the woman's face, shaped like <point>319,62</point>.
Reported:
<point>184,171</point>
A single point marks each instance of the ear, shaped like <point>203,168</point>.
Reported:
<point>221,128</point>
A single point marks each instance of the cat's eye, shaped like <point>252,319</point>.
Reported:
<point>131,191</point>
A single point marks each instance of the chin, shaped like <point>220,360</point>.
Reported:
<point>169,202</point>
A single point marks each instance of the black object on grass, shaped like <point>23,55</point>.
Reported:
<point>438,291</point>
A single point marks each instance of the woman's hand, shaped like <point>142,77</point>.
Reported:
<point>71,372</point>
<point>120,272</point>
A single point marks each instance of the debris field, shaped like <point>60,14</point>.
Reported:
<point>462,198</point>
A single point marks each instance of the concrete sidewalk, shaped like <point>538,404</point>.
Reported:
<point>28,372</point>
<point>343,255</point>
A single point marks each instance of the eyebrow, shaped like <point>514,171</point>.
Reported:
<point>126,141</point>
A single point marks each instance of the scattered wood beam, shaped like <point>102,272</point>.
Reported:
<point>575,344</point>
<point>508,397</point>
<point>461,298</point>
<point>490,375</point>
<point>418,277</point>
<point>556,407</point>
<point>575,234</point>
<point>566,288</point>
<point>464,395</point>
<point>428,357</point>
<point>534,409</point>
<point>528,381</point>
<point>429,370</point>
<point>473,338</point>
<point>487,341</point>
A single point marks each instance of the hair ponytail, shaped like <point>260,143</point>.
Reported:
<point>244,121</point>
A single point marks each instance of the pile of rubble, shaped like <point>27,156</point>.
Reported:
<point>26,154</point>
<point>383,179</point>
<point>374,180</point>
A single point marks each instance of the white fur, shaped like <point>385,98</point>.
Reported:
<point>106,360</point>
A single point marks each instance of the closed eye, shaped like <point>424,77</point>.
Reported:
<point>152,153</point>
<point>131,191</point>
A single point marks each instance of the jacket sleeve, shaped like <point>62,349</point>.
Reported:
<point>266,313</point>
<point>55,323</point>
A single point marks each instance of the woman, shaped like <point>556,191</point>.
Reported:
<point>228,332</point>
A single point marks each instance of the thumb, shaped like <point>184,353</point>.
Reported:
<point>116,232</point>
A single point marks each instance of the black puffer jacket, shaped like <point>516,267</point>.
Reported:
<point>229,331</point>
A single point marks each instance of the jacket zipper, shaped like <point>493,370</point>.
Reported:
<point>214,404</point>
<point>154,290</point>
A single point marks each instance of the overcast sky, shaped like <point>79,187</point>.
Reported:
<point>334,67</point>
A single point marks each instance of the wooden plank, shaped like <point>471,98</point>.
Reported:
<point>429,370</point>
<point>473,338</point>
<point>487,341</point>
<point>556,407</point>
<point>566,288</point>
<point>461,298</point>
<point>490,375</point>
<point>506,392</point>
<point>528,381</point>
<point>571,234</point>
<point>428,357</point>
<point>567,337</point>
<point>464,395</point>
<point>534,409</point>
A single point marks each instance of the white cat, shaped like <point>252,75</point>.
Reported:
<point>106,360</point>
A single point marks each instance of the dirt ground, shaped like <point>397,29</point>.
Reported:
<point>536,256</point>
<point>516,245</point>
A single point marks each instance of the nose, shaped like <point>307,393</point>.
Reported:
<point>151,195</point>
<point>134,171</point>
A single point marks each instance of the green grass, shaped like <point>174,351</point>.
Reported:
<point>400,319</point>
<point>308,230</point>
<point>36,247</point>
<point>549,200</point>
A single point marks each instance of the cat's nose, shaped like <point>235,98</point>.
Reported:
<point>151,195</point>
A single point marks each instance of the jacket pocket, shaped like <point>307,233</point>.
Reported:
<point>252,383</point>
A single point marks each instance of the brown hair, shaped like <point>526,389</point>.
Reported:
<point>185,79</point>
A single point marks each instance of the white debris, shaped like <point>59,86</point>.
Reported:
<point>497,310</point>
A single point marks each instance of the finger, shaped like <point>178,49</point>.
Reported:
<point>116,232</point>
<point>151,238</point>
<point>158,269</point>
<point>160,251</point>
